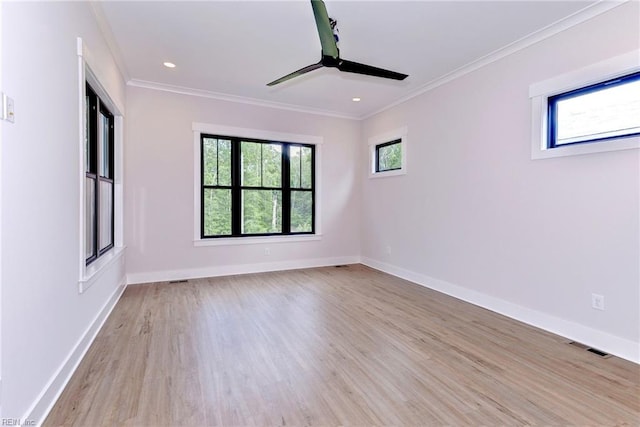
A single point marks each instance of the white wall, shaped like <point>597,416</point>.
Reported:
<point>46,323</point>
<point>159,165</point>
<point>477,218</point>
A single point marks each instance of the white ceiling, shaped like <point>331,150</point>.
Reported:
<point>233,48</point>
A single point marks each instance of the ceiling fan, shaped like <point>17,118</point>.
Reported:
<point>331,53</point>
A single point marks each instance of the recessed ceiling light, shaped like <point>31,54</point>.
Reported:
<point>169,64</point>
<point>355,99</point>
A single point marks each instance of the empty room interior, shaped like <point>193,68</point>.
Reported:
<point>320,213</point>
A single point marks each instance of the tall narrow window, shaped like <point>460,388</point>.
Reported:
<point>301,184</point>
<point>261,188</point>
<point>254,187</point>
<point>216,186</point>
<point>99,172</point>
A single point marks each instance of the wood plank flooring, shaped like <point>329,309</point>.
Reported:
<point>333,346</point>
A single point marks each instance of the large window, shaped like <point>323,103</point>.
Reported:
<point>99,177</point>
<point>253,187</point>
<point>598,112</point>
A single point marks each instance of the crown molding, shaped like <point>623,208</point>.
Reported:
<point>550,30</point>
<point>235,98</point>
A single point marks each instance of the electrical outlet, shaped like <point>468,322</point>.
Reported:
<point>597,302</point>
<point>267,251</point>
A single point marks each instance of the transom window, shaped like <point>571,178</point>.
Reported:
<point>599,112</point>
<point>593,109</point>
<point>253,187</point>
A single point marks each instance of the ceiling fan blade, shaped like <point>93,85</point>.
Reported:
<point>355,67</point>
<point>328,42</point>
<point>300,72</point>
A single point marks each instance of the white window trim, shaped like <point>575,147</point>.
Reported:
<point>231,241</point>
<point>89,274</point>
<point>401,134</point>
<point>214,129</point>
<point>540,92</point>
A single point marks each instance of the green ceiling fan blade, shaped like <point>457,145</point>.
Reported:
<point>300,72</point>
<point>327,40</point>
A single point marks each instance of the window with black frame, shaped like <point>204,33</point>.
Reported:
<point>388,156</point>
<point>253,187</point>
<point>99,177</point>
<point>602,111</point>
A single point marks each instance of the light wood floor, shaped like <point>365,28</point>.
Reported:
<point>333,346</point>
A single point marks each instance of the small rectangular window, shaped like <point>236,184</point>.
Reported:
<point>388,156</point>
<point>598,112</point>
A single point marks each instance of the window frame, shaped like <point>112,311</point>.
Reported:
<point>88,71</point>
<point>388,138</point>
<point>95,140</point>
<point>377,155</point>
<point>237,187</point>
<point>580,79</point>
<point>249,134</point>
<point>552,103</point>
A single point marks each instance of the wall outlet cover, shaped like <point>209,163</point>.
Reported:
<point>597,301</point>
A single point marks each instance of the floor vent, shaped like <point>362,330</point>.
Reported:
<point>590,350</point>
<point>341,266</point>
<point>599,353</point>
<point>179,281</point>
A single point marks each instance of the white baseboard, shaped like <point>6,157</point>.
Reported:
<point>52,391</point>
<point>227,270</point>
<point>621,347</point>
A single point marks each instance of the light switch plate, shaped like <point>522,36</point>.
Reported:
<point>9,112</point>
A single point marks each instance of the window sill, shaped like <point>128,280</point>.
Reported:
<point>97,268</point>
<point>627,143</point>
<point>232,241</point>
<point>388,173</point>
